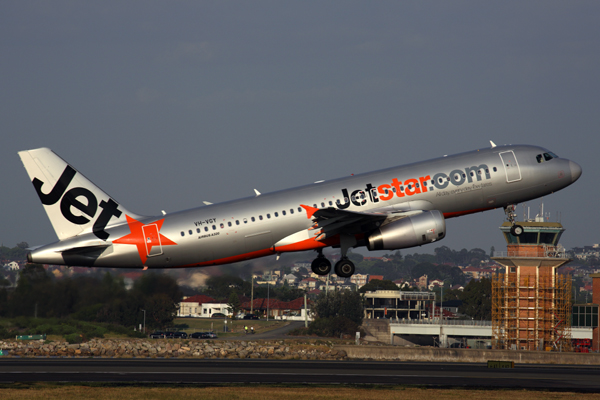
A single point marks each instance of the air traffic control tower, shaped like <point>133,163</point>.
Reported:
<point>531,302</point>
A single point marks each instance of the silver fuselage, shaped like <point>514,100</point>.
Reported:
<point>275,222</point>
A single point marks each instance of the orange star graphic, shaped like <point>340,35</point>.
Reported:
<point>144,237</point>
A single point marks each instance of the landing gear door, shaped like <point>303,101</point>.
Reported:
<point>152,240</point>
<point>511,166</point>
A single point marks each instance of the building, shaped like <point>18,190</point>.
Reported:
<point>531,302</point>
<point>593,310</point>
<point>274,308</point>
<point>359,280</point>
<point>192,306</point>
<point>395,304</point>
<point>422,282</point>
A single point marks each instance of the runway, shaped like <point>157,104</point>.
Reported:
<point>161,371</point>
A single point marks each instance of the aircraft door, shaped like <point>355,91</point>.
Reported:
<point>152,240</point>
<point>511,166</point>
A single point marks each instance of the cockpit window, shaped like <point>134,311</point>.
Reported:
<point>545,157</point>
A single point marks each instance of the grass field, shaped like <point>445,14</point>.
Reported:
<point>63,392</point>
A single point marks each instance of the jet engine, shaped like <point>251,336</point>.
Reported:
<point>410,231</point>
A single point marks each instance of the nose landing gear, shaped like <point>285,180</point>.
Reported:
<point>515,230</point>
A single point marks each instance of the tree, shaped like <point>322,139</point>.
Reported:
<point>339,312</point>
<point>234,305</point>
<point>161,311</point>
<point>377,284</point>
<point>220,287</point>
<point>339,303</point>
<point>477,299</point>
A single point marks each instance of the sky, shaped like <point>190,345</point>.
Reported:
<point>165,104</point>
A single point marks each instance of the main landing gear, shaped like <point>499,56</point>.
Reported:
<point>515,229</point>
<point>343,268</point>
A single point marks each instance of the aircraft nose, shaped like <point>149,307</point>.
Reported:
<point>575,171</point>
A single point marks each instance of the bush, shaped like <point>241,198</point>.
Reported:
<point>333,327</point>
<point>74,338</point>
<point>4,333</point>
<point>88,313</point>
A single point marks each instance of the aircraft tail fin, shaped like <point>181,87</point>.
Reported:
<point>73,203</point>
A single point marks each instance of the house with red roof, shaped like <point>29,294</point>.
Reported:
<point>276,309</point>
<point>193,306</point>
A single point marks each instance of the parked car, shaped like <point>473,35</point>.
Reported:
<point>157,335</point>
<point>218,315</point>
<point>180,335</point>
<point>169,335</point>
<point>203,335</point>
<point>250,316</point>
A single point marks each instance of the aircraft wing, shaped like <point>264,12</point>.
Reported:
<point>332,221</point>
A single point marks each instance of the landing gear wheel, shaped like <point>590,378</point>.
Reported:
<point>344,268</point>
<point>516,230</point>
<point>321,266</point>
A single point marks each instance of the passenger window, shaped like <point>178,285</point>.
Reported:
<point>299,209</point>
<point>260,217</point>
<point>314,206</point>
<point>190,232</point>
<point>229,223</point>
<point>237,221</point>
<point>245,221</point>
<point>291,210</point>
<point>197,230</point>
<point>214,227</point>
<point>283,213</point>
<point>222,226</point>
<point>253,219</point>
<point>276,214</point>
<point>495,169</point>
<point>323,205</point>
<point>182,233</point>
<point>269,216</point>
<point>330,203</point>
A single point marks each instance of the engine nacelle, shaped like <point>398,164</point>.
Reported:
<point>414,230</point>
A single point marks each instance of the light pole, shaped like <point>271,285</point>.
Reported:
<point>252,297</point>
<point>268,286</point>
<point>144,320</point>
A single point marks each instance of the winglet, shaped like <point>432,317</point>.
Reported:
<point>257,192</point>
<point>493,144</point>
<point>309,210</point>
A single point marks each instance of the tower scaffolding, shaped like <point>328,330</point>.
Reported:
<point>531,312</point>
<point>531,302</point>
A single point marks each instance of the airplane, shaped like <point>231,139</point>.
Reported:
<point>389,209</point>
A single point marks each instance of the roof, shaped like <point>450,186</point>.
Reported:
<point>274,304</point>
<point>200,299</point>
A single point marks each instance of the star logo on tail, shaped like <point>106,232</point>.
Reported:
<point>145,237</point>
